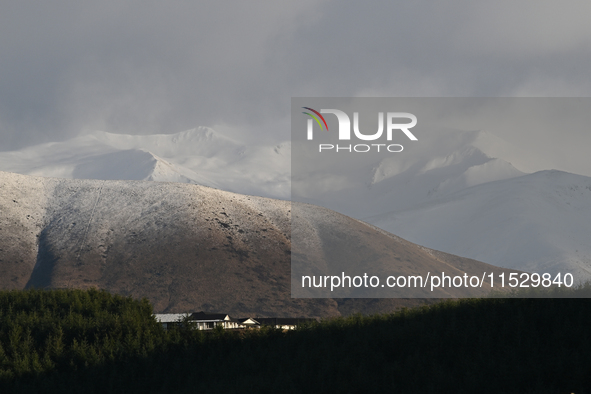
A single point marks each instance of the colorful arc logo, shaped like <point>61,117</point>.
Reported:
<point>316,118</point>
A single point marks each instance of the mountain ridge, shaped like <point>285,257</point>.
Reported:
<point>445,164</point>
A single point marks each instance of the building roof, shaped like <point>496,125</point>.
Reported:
<point>210,316</point>
<point>170,317</point>
<point>247,320</point>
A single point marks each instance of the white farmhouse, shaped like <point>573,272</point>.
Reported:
<point>207,321</point>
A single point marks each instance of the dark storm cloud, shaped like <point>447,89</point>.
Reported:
<point>145,66</point>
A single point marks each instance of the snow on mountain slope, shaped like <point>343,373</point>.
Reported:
<point>441,163</point>
<point>455,191</point>
<point>199,156</point>
<point>537,222</point>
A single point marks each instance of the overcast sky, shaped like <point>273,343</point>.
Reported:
<point>142,67</point>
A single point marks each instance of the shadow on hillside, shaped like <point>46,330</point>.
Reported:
<point>46,260</point>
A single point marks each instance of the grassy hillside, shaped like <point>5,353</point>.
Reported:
<point>93,342</point>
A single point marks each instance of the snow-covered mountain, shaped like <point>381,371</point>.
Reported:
<point>461,192</point>
<point>442,163</point>
<point>198,156</point>
<point>538,222</point>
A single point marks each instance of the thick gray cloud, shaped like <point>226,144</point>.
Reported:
<point>137,66</point>
<point>146,66</point>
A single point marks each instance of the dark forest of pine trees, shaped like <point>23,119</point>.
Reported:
<point>72,341</point>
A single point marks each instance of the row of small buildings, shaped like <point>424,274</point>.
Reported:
<point>208,321</point>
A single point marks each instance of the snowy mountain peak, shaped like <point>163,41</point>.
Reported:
<point>448,161</point>
<point>447,152</point>
<point>465,156</point>
<point>199,155</point>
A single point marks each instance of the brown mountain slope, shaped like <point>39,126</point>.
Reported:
<point>189,248</point>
